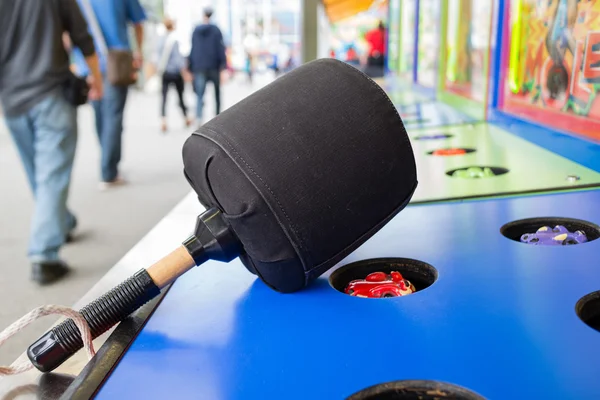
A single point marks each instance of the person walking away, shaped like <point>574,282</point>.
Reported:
<point>275,63</point>
<point>108,21</point>
<point>352,56</point>
<point>206,60</point>
<point>249,66</point>
<point>34,75</point>
<point>170,64</point>
<point>376,53</point>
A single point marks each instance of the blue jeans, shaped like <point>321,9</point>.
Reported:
<point>200,80</point>
<point>109,127</point>
<point>46,137</point>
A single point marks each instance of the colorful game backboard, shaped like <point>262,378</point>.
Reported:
<point>464,72</point>
<point>428,43</point>
<point>551,64</point>
<point>402,57</point>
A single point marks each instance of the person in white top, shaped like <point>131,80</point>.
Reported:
<point>170,66</point>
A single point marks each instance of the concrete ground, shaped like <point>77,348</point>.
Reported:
<point>110,223</point>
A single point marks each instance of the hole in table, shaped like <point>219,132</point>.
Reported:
<point>409,114</point>
<point>434,136</point>
<point>416,121</point>
<point>415,389</point>
<point>588,309</point>
<point>551,231</point>
<point>477,172</point>
<point>451,151</point>
<point>378,278</point>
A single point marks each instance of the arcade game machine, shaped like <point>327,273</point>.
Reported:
<point>452,62</point>
<point>492,297</point>
<point>456,156</point>
<point>402,43</point>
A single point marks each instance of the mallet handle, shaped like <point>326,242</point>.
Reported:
<point>64,340</point>
<point>212,240</point>
<point>171,267</point>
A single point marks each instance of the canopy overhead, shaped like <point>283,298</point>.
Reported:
<point>338,10</point>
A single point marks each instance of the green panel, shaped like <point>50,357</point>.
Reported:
<point>470,107</point>
<point>442,46</point>
<point>464,55</point>
<point>394,41</point>
<point>532,168</point>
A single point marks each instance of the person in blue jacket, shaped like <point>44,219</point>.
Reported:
<point>206,61</point>
<point>113,18</point>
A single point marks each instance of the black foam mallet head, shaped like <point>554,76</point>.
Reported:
<point>304,170</point>
<point>294,177</point>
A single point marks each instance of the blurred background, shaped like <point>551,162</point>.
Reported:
<point>263,40</point>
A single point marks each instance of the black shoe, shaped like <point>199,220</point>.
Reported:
<point>69,238</point>
<point>45,272</point>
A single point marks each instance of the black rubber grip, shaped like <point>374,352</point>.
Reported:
<point>60,343</point>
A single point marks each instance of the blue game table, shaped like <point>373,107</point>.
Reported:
<point>499,320</point>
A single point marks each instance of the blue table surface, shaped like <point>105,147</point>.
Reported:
<point>500,320</point>
<point>432,115</point>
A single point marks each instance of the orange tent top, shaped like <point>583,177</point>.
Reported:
<point>338,10</point>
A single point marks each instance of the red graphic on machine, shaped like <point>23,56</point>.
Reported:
<point>380,284</point>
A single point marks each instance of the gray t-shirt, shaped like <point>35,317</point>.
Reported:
<point>33,61</point>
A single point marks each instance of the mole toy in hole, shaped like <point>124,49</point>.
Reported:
<point>557,236</point>
<point>473,173</point>
<point>449,152</point>
<point>379,284</point>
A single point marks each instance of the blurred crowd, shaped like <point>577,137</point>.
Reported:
<point>371,57</point>
<point>56,55</point>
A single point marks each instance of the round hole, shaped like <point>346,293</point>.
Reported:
<point>420,274</point>
<point>434,136</point>
<point>415,389</point>
<point>588,309</point>
<point>451,151</point>
<point>551,231</point>
<point>416,121</point>
<point>477,172</point>
<point>409,114</point>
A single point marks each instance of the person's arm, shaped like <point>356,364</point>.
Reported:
<point>222,55</point>
<point>137,15</point>
<point>76,26</point>
<point>95,80</point>
<point>139,38</point>
<point>156,56</point>
<point>180,59</point>
<point>189,57</point>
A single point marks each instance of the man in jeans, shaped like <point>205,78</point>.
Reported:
<point>113,17</point>
<point>206,60</point>
<point>34,68</point>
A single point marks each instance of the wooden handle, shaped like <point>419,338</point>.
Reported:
<point>171,267</point>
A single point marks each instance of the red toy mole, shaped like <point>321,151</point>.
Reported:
<point>380,284</point>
